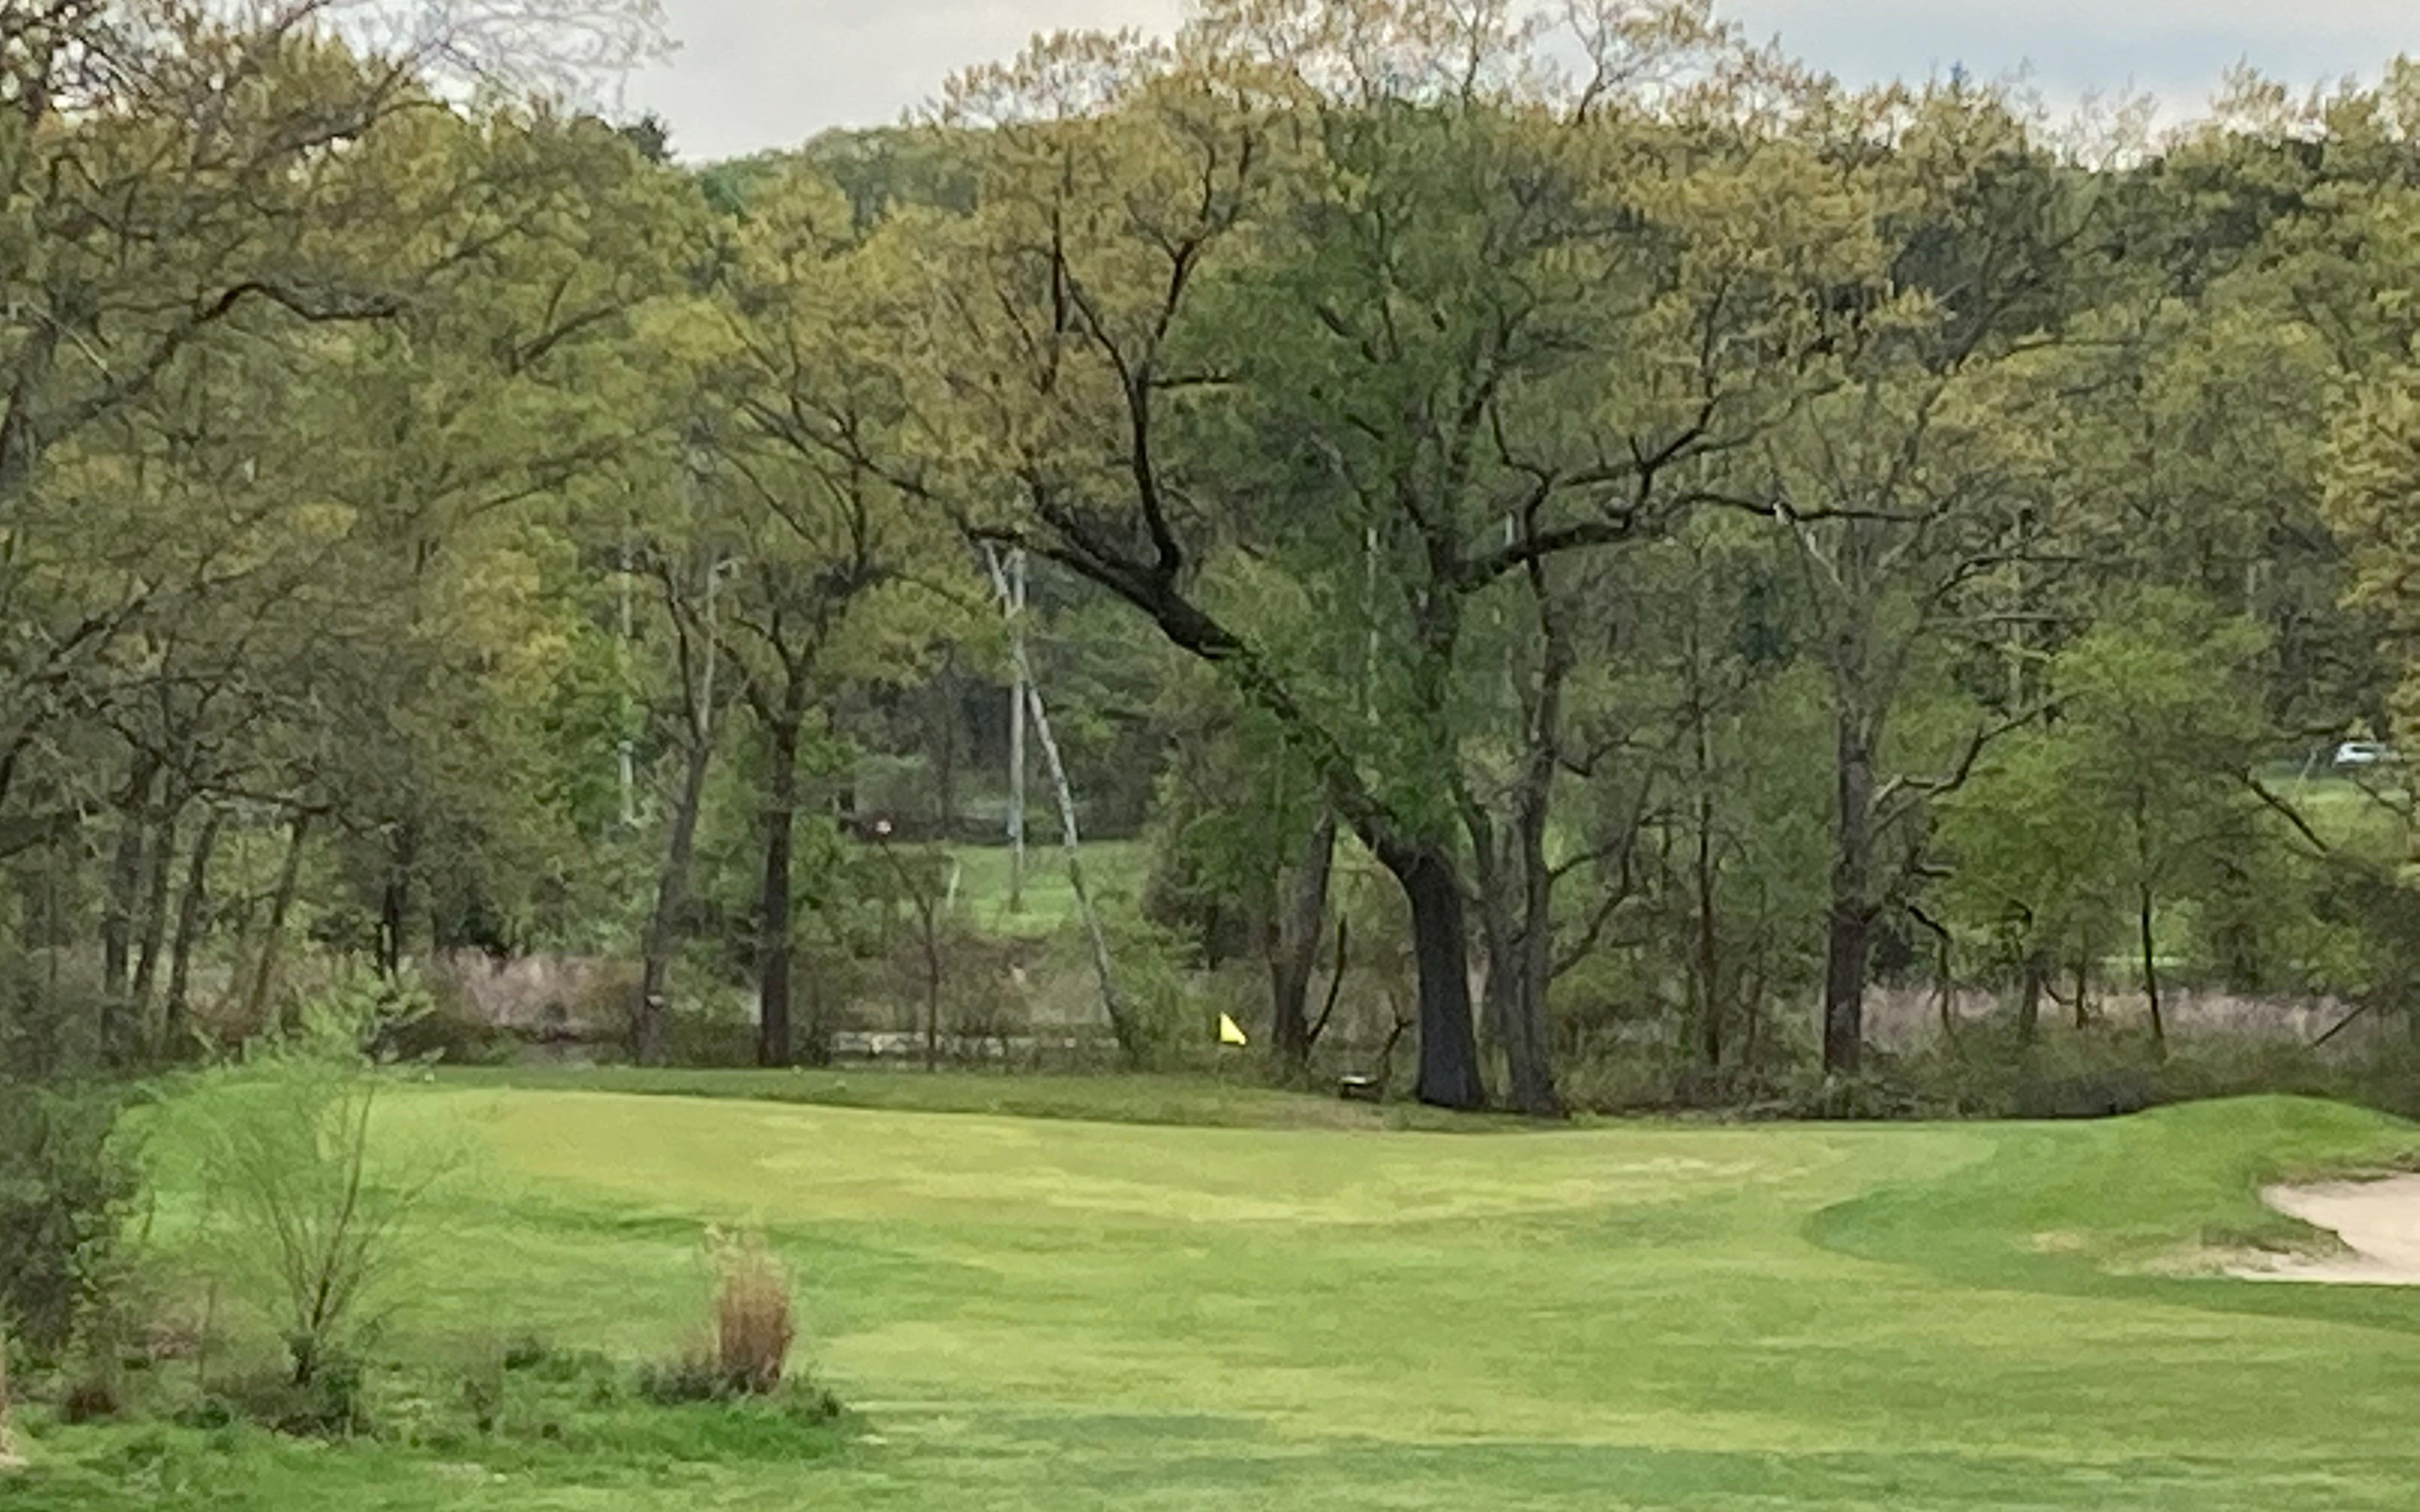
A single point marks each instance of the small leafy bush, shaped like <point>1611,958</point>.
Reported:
<point>67,1185</point>
<point>311,1209</point>
<point>331,1404</point>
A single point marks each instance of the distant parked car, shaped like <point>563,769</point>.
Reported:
<point>2364,753</point>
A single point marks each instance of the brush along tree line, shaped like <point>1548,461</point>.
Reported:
<point>1707,535</point>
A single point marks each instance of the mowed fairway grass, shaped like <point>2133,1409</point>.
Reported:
<point>1032,1313</point>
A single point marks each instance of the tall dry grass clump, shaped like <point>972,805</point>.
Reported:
<point>753,1320</point>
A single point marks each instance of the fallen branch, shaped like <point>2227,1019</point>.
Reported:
<point>2341,1024</point>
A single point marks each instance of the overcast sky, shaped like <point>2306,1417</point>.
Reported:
<point>762,73</point>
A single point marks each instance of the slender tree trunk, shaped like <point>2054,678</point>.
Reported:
<point>1515,897</point>
<point>125,883</point>
<point>1518,902</point>
<point>2151,969</point>
<point>945,749</point>
<point>1850,921</point>
<point>1709,952</point>
<point>1528,1055</point>
<point>698,655</point>
<point>1528,1059</point>
<point>162,865</point>
<point>2083,985</point>
<point>671,896</point>
<point>773,949</point>
<point>1500,982</point>
<point>1297,955</point>
<point>1498,932</point>
<point>272,941</point>
<point>1707,965</point>
<point>817,1046</point>
<point>1448,1075</point>
<point>189,929</point>
<point>394,900</point>
<point>2143,911</point>
<point>930,935</point>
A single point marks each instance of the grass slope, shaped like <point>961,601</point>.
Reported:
<point>1066,1314</point>
<point>1112,867</point>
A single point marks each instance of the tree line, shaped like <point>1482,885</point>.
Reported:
<point>1710,535</point>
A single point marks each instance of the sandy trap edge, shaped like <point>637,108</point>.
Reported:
<point>2379,1221</point>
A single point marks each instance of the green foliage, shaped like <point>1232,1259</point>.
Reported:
<point>69,1179</point>
<point>1719,523</point>
<point>1170,1020</point>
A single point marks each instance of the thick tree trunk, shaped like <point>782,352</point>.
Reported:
<point>671,895</point>
<point>2036,977</point>
<point>1850,921</point>
<point>773,946</point>
<point>1448,1075</point>
<point>289,874</point>
<point>1296,953</point>
<point>189,929</point>
<point>1449,1049</point>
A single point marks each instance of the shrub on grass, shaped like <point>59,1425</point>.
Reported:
<point>67,1186</point>
<point>524,1352</point>
<point>93,1396</point>
<point>331,1404</point>
<point>310,1209</point>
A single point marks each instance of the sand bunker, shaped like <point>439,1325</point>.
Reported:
<point>2379,1221</point>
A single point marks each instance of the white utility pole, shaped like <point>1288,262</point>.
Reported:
<point>1110,1002</point>
<point>626,756</point>
<point>1016,608</point>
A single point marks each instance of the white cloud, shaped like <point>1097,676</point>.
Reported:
<point>758,73</point>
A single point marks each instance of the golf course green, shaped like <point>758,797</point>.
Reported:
<point>1034,1313</point>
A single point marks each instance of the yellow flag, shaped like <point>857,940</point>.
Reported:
<point>1230,1032</point>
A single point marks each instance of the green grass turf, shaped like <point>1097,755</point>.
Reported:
<point>1031,1314</point>
<point>1111,868</point>
<point>1232,1102</point>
